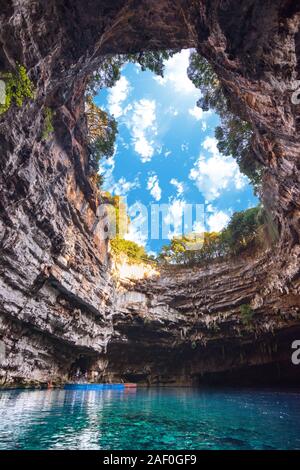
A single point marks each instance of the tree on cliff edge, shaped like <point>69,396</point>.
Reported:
<point>234,135</point>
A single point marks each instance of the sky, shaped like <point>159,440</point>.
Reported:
<point>166,154</point>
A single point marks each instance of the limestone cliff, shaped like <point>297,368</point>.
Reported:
<point>60,307</point>
<point>184,325</point>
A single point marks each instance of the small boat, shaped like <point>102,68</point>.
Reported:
<point>95,386</point>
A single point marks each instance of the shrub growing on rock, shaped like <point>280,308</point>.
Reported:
<point>234,135</point>
<point>18,87</point>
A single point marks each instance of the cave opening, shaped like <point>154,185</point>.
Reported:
<point>173,157</point>
<point>82,368</point>
<point>276,374</point>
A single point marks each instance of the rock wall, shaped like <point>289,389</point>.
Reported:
<point>185,326</point>
<point>60,306</point>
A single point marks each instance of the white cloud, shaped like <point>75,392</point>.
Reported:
<point>215,174</point>
<point>198,227</point>
<point>107,167</point>
<point>136,235</point>
<point>167,153</point>
<point>196,112</point>
<point>143,146</point>
<point>153,187</point>
<point>211,144</point>
<point>217,221</point>
<point>142,124</point>
<point>180,218</point>
<point>240,181</point>
<point>175,74</point>
<point>199,115</point>
<point>138,226</point>
<point>172,111</point>
<point>184,147</point>
<point>174,217</point>
<point>117,95</point>
<point>122,186</point>
<point>152,253</point>
<point>178,185</point>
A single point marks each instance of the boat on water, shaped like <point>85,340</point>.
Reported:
<point>98,386</point>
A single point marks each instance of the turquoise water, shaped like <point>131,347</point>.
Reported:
<point>150,419</point>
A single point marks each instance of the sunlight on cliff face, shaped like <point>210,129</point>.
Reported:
<point>123,269</point>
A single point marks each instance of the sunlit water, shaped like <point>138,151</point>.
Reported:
<point>149,419</point>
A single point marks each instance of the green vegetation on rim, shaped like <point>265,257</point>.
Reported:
<point>247,230</point>
<point>103,128</point>
<point>102,132</point>
<point>132,250</point>
<point>234,135</point>
<point>18,87</point>
<point>119,217</point>
<point>110,70</point>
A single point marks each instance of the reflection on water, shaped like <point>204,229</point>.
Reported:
<point>149,419</point>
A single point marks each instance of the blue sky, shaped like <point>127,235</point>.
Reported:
<point>166,152</point>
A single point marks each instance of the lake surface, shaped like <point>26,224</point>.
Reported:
<point>151,419</point>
